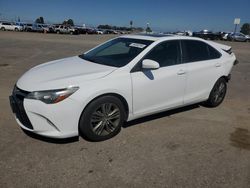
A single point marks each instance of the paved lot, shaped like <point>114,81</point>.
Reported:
<point>190,147</point>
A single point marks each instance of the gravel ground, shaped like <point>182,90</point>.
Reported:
<point>189,147</point>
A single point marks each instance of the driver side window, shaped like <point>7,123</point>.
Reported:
<point>166,53</point>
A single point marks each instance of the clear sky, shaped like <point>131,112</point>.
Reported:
<point>162,15</point>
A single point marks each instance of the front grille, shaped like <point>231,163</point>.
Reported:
<point>16,101</point>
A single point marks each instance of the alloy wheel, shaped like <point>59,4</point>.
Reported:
<point>105,119</point>
<point>219,92</point>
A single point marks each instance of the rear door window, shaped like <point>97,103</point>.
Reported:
<point>213,53</point>
<point>198,51</point>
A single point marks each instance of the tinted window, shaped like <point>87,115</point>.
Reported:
<point>195,51</point>
<point>6,24</point>
<point>166,54</point>
<point>213,53</point>
<point>198,51</point>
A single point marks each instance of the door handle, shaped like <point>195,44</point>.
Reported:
<point>181,72</point>
<point>217,65</point>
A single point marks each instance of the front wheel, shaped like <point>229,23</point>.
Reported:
<point>217,94</point>
<point>102,119</point>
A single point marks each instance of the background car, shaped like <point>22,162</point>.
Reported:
<point>240,37</point>
<point>63,29</point>
<point>37,28</point>
<point>33,27</point>
<point>248,38</point>
<point>10,26</point>
<point>28,27</point>
<point>224,35</point>
<point>110,31</point>
<point>183,33</point>
<point>100,32</point>
<point>47,28</point>
<point>206,34</point>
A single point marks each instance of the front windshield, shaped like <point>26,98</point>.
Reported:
<point>117,53</point>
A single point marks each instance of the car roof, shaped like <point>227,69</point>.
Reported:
<point>157,37</point>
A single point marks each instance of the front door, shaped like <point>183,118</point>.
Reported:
<point>163,88</point>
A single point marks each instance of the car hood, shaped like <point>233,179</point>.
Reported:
<point>62,73</point>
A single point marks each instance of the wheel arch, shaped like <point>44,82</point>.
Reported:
<point>119,96</point>
<point>227,78</point>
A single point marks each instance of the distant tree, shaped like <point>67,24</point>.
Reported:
<point>245,29</point>
<point>131,24</point>
<point>104,27</point>
<point>40,20</point>
<point>108,27</point>
<point>68,22</point>
<point>148,29</point>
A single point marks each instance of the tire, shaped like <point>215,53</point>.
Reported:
<point>102,119</point>
<point>16,29</point>
<point>217,94</point>
<point>2,28</point>
<point>71,33</point>
<point>57,32</point>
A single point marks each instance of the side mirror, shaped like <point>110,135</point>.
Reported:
<point>150,64</point>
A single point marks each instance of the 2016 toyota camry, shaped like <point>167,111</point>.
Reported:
<point>121,80</point>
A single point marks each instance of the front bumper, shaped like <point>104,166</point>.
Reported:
<point>51,120</point>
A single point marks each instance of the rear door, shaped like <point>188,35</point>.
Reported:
<point>163,88</point>
<point>204,67</point>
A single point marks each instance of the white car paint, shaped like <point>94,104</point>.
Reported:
<point>10,27</point>
<point>145,92</point>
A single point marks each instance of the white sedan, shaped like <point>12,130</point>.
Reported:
<point>123,79</point>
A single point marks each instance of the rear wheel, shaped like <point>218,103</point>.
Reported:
<point>217,94</point>
<point>2,28</point>
<point>102,119</point>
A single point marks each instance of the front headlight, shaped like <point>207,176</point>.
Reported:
<point>52,96</point>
